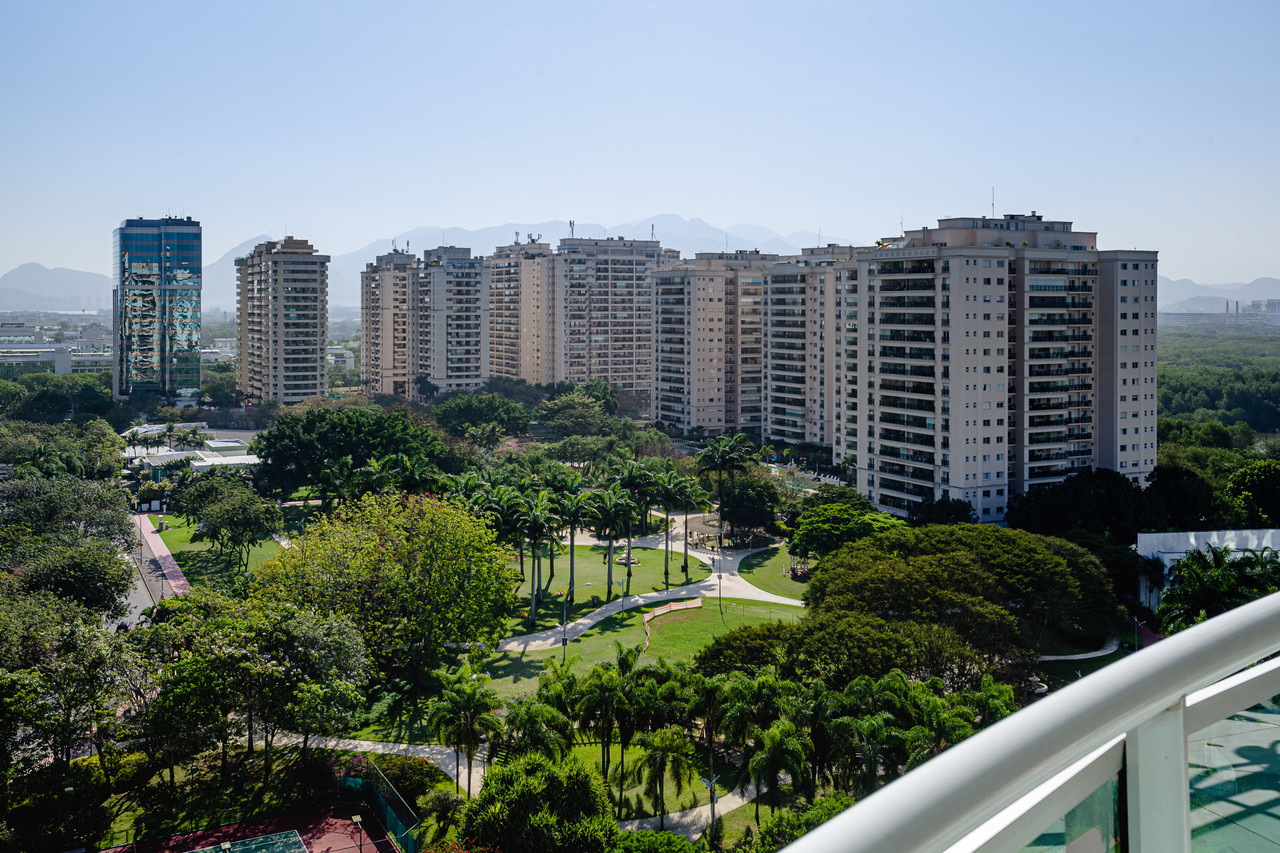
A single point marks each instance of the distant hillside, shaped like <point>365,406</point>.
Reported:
<point>35,287</point>
<point>1186,295</point>
<point>219,284</point>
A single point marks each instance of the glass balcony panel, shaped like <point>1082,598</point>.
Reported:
<point>1091,827</point>
<point>1234,771</point>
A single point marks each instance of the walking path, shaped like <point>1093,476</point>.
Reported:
<point>725,581</point>
<point>690,823</point>
<point>168,566</point>
<point>1113,643</point>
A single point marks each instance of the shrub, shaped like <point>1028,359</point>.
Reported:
<point>410,775</point>
<point>648,841</point>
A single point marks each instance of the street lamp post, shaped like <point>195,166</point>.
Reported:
<point>711,789</point>
<point>564,622</point>
<point>1137,636</point>
<point>358,820</point>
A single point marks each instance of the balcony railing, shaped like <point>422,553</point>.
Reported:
<point>1122,731</point>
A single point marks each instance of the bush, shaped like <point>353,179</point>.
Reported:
<point>648,841</point>
<point>410,775</point>
<point>788,825</point>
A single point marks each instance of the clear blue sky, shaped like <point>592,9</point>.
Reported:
<point>1152,123</point>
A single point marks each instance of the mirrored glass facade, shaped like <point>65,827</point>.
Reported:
<point>156,302</point>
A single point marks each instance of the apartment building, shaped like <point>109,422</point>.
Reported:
<point>522,322</point>
<point>978,356</point>
<point>282,312</point>
<point>800,318</point>
<point>388,295</point>
<point>157,273</point>
<point>603,306</point>
<point>709,343</point>
<point>451,320</point>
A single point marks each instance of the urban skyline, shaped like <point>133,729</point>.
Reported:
<point>1153,121</point>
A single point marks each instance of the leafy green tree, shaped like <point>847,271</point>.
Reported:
<point>667,752</point>
<point>946,510</point>
<point>751,503</point>
<point>786,826</point>
<point>825,528</point>
<point>532,806</point>
<point>575,413</point>
<point>408,570</point>
<point>65,509</point>
<point>238,521</point>
<point>90,573</point>
<point>297,450</point>
<point>461,412</point>
<point>1255,490</point>
<point>463,716</point>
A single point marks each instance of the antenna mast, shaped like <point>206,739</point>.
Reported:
<point>570,229</point>
<point>993,202</point>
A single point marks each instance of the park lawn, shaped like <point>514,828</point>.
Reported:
<point>590,568</point>
<point>676,636</point>
<point>1060,673</point>
<point>743,817</point>
<point>767,570</point>
<point>200,562</point>
<point>398,706</point>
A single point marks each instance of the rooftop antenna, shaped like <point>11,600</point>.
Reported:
<point>570,229</point>
<point>819,235</point>
<point>517,236</point>
<point>993,202</point>
<point>651,232</point>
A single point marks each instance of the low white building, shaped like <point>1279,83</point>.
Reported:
<point>1169,548</point>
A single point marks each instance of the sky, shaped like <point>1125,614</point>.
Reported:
<point>1154,124</point>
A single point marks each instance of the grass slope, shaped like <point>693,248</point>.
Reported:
<point>767,570</point>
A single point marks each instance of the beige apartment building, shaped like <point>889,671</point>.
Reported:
<point>522,322</point>
<point>282,310</point>
<point>388,299</point>
<point>603,306</point>
<point>988,362</point>
<point>801,300</point>
<point>709,344</point>
<point>424,320</point>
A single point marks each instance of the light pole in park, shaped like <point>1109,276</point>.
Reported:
<point>711,789</point>
<point>715,567</point>
<point>564,622</point>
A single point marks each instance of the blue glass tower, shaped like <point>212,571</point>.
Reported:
<point>156,307</point>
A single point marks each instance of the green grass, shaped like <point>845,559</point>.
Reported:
<point>1060,673</point>
<point>677,636</point>
<point>737,822</point>
<point>200,562</point>
<point>590,568</point>
<point>398,706</point>
<point>634,803</point>
<point>767,570</point>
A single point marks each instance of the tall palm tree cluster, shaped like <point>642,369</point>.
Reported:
<point>754,730</point>
<point>534,507</point>
<point>1207,583</point>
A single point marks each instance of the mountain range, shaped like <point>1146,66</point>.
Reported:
<point>36,287</point>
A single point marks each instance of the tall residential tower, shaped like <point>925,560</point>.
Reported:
<point>282,311</point>
<point>156,267</point>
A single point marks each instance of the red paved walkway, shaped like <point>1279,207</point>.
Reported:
<point>177,580</point>
<point>324,830</point>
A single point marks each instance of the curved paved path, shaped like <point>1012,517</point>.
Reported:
<point>730,583</point>
<point>1113,643</point>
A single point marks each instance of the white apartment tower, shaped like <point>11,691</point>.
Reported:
<point>388,294</point>
<point>709,345</point>
<point>450,320</point>
<point>988,362</point>
<point>604,310</point>
<point>282,309</point>
<point>521,319</point>
<point>800,315</point>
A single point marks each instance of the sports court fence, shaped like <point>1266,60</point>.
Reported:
<point>392,811</point>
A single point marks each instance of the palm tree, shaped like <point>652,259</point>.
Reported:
<point>534,726</point>
<point>938,723</point>
<point>541,525</point>
<point>577,509</point>
<point>613,511</point>
<point>691,497</point>
<point>636,479</point>
<point>667,751</point>
<point>816,710</point>
<point>599,698</point>
<point>724,456</point>
<point>779,750</point>
<point>1211,582</point>
<point>463,716</point>
<point>668,488</point>
<point>707,700</point>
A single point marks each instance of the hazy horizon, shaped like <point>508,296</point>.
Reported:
<point>1152,125</point>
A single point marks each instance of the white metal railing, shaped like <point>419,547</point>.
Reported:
<point>998,790</point>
